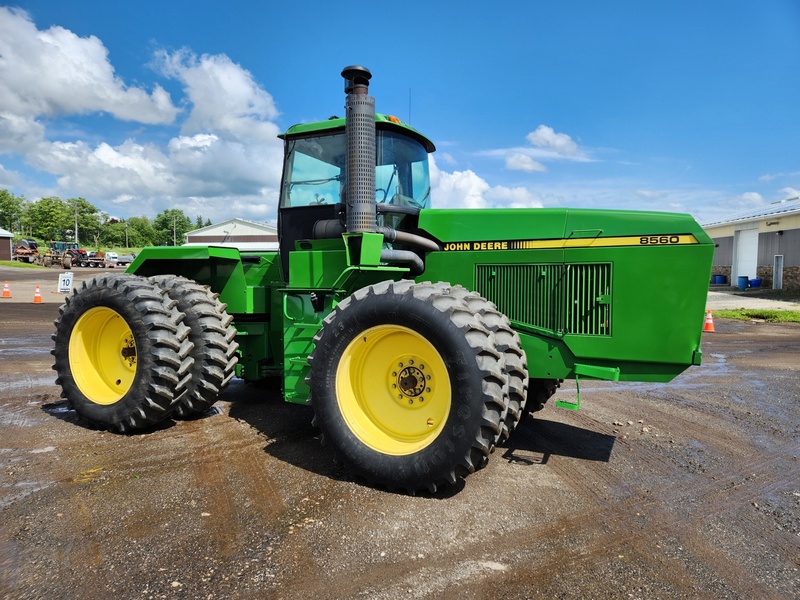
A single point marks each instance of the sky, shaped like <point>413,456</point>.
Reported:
<point>680,106</point>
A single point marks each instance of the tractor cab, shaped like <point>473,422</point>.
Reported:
<point>313,200</point>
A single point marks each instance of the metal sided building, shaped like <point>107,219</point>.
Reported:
<point>761,243</point>
<point>247,236</point>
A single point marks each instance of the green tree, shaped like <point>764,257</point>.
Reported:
<point>208,222</point>
<point>169,227</point>
<point>11,210</point>
<point>47,218</point>
<point>89,220</point>
<point>113,233</point>
<point>198,224</point>
<point>140,232</point>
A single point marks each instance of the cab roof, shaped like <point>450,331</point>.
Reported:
<point>383,122</point>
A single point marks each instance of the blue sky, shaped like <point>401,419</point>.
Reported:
<point>679,106</point>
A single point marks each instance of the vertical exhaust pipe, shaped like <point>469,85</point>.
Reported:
<point>360,134</point>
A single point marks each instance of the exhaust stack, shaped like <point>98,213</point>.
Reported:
<point>360,134</point>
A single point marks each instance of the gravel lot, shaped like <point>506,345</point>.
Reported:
<point>689,489</point>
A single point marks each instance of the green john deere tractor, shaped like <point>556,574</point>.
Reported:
<point>419,337</point>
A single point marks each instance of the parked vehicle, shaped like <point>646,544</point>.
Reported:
<point>419,336</point>
<point>63,254</point>
<point>125,259</point>
<point>27,250</point>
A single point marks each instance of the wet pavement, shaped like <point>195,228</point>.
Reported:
<point>689,489</point>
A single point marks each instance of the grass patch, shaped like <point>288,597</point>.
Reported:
<point>750,314</point>
<point>18,264</point>
<point>769,294</point>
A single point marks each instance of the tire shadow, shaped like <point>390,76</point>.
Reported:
<point>60,410</point>
<point>536,440</point>
<point>291,438</point>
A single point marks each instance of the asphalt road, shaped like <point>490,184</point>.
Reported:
<point>682,490</point>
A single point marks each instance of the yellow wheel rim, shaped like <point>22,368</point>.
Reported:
<point>102,355</point>
<point>393,390</point>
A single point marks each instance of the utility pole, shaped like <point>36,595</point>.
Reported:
<point>174,239</point>
<point>126,235</point>
<point>76,225</point>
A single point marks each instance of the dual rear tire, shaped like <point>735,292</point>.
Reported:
<point>130,352</point>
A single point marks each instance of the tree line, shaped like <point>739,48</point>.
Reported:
<point>52,218</point>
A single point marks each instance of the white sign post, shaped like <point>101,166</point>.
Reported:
<point>65,283</point>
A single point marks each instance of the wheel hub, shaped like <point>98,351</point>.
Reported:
<point>129,351</point>
<point>409,382</point>
<point>406,409</point>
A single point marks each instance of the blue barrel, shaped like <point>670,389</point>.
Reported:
<point>719,279</point>
<point>743,282</point>
<point>755,283</point>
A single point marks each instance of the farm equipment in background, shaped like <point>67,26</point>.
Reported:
<point>27,250</point>
<point>96,259</point>
<point>64,254</point>
<point>420,337</point>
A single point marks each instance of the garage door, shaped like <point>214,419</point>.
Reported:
<point>746,254</point>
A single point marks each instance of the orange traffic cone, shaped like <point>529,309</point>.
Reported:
<point>6,290</point>
<point>708,326</point>
<point>37,296</point>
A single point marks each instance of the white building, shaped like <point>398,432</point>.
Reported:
<point>5,244</point>
<point>247,236</point>
<point>761,243</point>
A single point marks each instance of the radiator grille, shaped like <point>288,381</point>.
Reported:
<point>559,298</point>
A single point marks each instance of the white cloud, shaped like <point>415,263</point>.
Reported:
<point>19,133</point>
<point>789,192</point>
<point>545,137</point>
<point>51,72</point>
<point>225,98</point>
<point>522,162</point>
<point>751,199</point>
<point>649,194</point>
<point>459,189</point>
<point>518,197</point>
<point>225,157</point>
<point>465,189</point>
<point>546,145</point>
<point>447,157</point>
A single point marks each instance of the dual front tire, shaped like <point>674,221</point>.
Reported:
<point>409,384</point>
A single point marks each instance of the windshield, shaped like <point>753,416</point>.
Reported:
<point>315,171</point>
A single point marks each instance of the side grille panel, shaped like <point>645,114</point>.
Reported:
<point>562,299</point>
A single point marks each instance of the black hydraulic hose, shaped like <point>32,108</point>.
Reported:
<point>412,239</point>
<point>331,228</point>
<point>415,263</point>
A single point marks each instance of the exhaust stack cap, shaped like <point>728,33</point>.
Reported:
<point>356,79</point>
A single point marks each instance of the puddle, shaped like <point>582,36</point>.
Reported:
<point>57,408</point>
<point>24,351</point>
<point>29,382</point>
